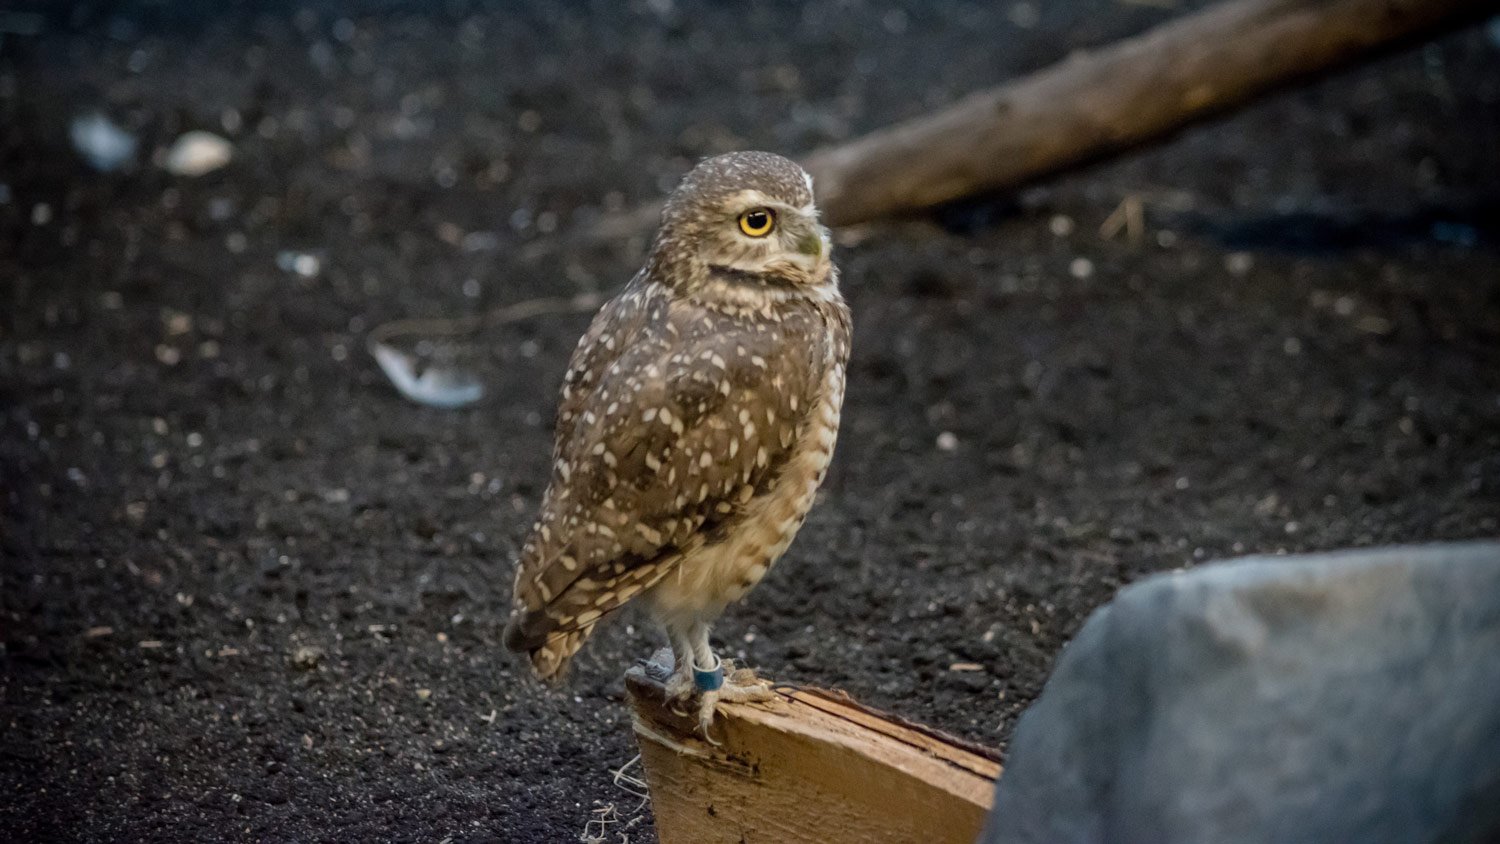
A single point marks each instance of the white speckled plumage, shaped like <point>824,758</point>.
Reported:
<point>698,417</point>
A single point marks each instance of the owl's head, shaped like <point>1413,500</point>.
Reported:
<point>744,218</point>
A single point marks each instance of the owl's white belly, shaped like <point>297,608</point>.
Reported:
<point>712,577</point>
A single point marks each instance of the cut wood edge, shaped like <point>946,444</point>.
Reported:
<point>811,765</point>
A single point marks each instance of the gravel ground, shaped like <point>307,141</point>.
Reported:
<point>251,593</point>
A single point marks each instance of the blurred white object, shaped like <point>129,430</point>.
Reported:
<point>439,385</point>
<point>196,153</point>
<point>305,264</point>
<point>102,143</point>
<point>435,387</point>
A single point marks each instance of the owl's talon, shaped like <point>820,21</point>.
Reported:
<point>680,688</point>
<point>740,686</point>
<point>706,707</point>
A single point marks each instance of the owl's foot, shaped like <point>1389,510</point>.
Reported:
<point>680,687</point>
<point>739,686</point>
<point>742,686</point>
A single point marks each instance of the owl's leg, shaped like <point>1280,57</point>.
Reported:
<point>681,687</point>
<point>721,681</point>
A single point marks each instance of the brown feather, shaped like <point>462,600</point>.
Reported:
<point>683,404</point>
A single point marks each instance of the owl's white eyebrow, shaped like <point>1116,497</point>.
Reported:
<point>749,196</point>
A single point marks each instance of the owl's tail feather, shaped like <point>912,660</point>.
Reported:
<point>548,648</point>
<point>550,661</point>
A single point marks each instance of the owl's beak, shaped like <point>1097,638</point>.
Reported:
<point>811,245</point>
<point>809,253</point>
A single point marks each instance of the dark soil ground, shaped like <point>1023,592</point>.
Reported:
<point>251,593</point>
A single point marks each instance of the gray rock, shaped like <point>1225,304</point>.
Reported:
<point>1327,698</point>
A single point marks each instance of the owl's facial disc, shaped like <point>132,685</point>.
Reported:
<point>761,236</point>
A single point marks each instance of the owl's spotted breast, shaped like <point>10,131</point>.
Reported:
<point>686,433</point>
<point>718,574</point>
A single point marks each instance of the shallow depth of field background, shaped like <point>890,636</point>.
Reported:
<point>248,591</point>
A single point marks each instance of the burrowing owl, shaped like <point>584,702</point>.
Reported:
<point>698,417</point>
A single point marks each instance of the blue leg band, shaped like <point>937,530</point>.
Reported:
<point>711,680</point>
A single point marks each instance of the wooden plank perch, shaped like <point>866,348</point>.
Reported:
<point>811,766</point>
<point>1098,103</point>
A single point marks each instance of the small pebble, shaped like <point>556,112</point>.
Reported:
<point>304,264</point>
<point>197,153</point>
<point>306,657</point>
<point>1239,263</point>
<point>102,143</point>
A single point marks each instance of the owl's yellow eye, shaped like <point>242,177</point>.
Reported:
<point>758,222</point>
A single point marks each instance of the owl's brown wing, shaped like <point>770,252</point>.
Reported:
<point>660,454</point>
<point>620,319</point>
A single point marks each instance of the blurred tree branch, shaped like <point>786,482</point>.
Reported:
<point>1101,102</point>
